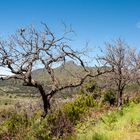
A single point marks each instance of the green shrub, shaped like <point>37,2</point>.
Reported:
<point>110,96</point>
<point>78,107</point>
<point>15,126</point>
<point>16,122</point>
<point>62,121</point>
<point>39,130</point>
<point>92,88</point>
<point>137,100</point>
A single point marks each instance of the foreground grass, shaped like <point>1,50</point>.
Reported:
<point>122,125</point>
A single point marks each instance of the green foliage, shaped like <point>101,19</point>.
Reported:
<point>39,130</point>
<point>16,124</point>
<point>78,107</point>
<point>110,96</point>
<point>19,126</point>
<point>137,100</point>
<point>91,87</point>
<point>97,136</point>
<point>62,121</point>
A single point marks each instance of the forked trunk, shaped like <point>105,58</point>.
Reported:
<point>45,98</point>
<point>46,103</point>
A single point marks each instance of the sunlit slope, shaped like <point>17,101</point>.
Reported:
<point>122,125</point>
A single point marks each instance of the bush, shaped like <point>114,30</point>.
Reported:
<point>78,107</point>
<point>62,121</point>
<point>19,126</point>
<point>92,88</point>
<point>137,100</point>
<point>14,126</point>
<point>110,97</point>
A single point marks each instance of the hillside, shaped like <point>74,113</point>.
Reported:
<point>63,73</point>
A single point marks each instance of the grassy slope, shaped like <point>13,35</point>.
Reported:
<point>124,125</point>
<point>9,101</point>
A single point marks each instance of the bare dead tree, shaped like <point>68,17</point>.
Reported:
<point>135,63</point>
<point>118,56</point>
<point>29,49</point>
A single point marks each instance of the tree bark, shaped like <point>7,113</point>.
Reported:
<point>45,98</point>
<point>46,103</point>
<point>119,98</point>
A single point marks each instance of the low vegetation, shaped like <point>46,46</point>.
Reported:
<point>57,123</point>
<point>82,118</point>
<point>113,125</point>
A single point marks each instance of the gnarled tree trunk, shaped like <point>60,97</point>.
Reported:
<point>45,97</point>
<point>119,98</point>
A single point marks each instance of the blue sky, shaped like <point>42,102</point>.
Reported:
<point>96,21</point>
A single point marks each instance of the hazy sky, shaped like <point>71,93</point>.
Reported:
<point>95,21</point>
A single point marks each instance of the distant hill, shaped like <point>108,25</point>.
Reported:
<point>63,73</point>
